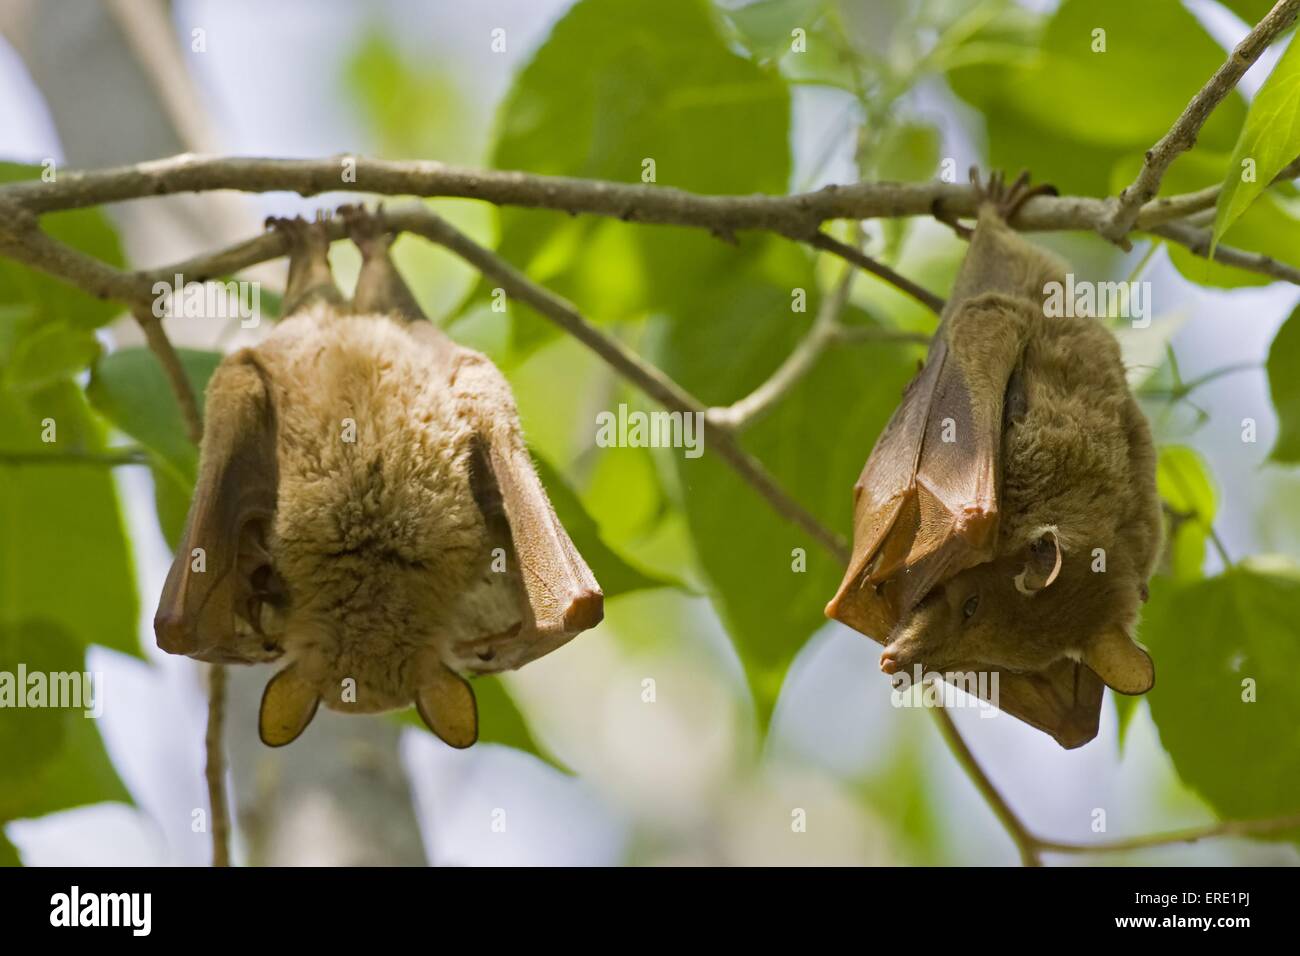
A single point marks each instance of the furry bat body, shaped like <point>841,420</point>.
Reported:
<point>367,510</point>
<point>1016,463</point>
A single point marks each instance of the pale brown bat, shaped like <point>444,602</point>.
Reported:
<point>367,510</point>
<point>1007,518</point>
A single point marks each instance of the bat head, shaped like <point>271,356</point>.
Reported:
<point>1025,612</point>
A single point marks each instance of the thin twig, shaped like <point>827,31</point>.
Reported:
<point>848,253</point>
<point>161,347</point>
<point>797,364</point>
<point>1197,241</point>
<point>215,769</point>
<point>1025,841</point>
<point>113,458</point>
<point>1240,828</point>
<point>1168,208</point>
<point>1182,135</point>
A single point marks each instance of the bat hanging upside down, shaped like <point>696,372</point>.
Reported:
<point>366,509</point>
<point>1007,519</point>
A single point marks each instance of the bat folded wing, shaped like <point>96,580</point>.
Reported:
<point>546,588</point>
<point>210,587</point>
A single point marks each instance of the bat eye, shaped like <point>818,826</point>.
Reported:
<point>970,607</point>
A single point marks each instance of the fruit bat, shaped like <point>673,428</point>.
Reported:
<point>367,511</point>
<point>1007,518</point>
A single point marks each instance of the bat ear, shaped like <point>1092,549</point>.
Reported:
<point>1042,565</point>
<point>222,567</point>
<point>446,705</point>
<point>288,705</point>
<point>1119,661</point>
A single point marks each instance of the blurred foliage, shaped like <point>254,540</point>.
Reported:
<point>1183,480</point>
<point>1284,381</point>
<point>66,575</point>
<point>659,84</point>
<point>1224,700</point>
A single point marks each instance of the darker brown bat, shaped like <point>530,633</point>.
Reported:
<point>1007,519</point>
<point>366,510</point>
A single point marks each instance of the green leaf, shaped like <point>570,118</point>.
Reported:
<point>1269,141</point>
<point>47,352</point>
<point>410,108</point>
<point>1067,113</point>
<point>909,153</point>
<point>1218,643</point>
<point>1090,95</point>
<point>1183,481</point>
<point>1250,11</point>
<point>1284,385</point>
<point>814,443</point>
<point>51,758</point>
<point>130,389</point>
<point>658,82</point>
<point>8,853</point>
<point>64,554</point>
<point>87,230</point>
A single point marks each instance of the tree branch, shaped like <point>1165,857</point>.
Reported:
<point>112,458</point>
<point>214,771</point>
<point>1182,135</point>
<point>1197,241</point>
<point>798,216</point>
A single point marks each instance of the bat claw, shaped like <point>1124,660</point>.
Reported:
<point>303,235</point>
<point>1006,198</point>
<point>367,229</point>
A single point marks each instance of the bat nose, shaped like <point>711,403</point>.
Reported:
<point>585,611</point>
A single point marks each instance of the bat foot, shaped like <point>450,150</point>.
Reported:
<point>367,229</point>
<point>889,664</point>
<point>312,237</point>
<point>949,220</point>
<point>1006,198</point>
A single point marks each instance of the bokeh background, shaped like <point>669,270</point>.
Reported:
<point>760,708</point>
